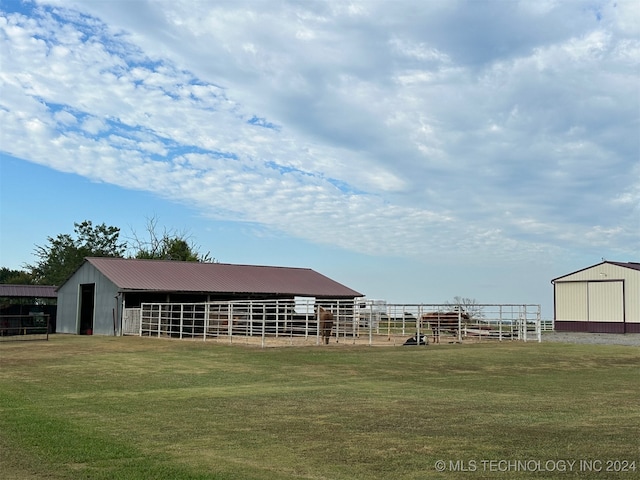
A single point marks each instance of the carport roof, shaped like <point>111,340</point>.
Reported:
<point>174,276</point>
<point>28,291</point>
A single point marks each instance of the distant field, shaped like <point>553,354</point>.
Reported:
<point>79,407</point>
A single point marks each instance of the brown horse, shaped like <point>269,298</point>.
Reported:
<point>326,324</point>
<point>443,322</point>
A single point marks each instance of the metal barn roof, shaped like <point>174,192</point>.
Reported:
<point>631,265</point>
<point>173,276</point>
<point>28,291</point>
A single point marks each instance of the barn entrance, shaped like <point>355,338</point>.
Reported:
<point>595,306</point>
<point>87,304</point>
<point>606,302</point>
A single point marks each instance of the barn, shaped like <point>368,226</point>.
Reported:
<point>93,299</point>
<point>603,298</point>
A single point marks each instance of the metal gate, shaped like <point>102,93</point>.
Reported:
<point>131,321</point>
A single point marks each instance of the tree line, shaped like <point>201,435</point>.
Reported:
<point>63,254</point>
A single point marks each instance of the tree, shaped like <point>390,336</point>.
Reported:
<point>468,306</point>
<point>64,254</point>
<point>16,277</point>
<point>169,245</point>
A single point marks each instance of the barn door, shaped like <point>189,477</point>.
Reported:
<point>87,306</point>
<point>571,302</point>
<point>606,302</point>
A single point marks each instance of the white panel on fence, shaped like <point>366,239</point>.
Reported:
<point>304,305</point>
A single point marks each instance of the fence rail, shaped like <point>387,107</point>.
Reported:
<point>24,327</point>
<point>294,321</point>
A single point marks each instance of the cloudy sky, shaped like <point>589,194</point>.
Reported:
<point>413,150</point>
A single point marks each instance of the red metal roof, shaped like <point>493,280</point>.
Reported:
<point>172,276</point>
<point>28,291</point>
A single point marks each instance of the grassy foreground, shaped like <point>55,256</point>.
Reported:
<point>132,408</point>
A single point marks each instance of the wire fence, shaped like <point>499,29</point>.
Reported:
<point>300,321</point>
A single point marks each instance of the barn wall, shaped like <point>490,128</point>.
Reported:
<point>67,307</point>
<point>604,298</point>
<point>68,320</point>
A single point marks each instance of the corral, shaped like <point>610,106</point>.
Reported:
<point>266,306</point>
<point>298,321</point>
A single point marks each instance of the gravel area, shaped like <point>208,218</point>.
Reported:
<point>631,339</point>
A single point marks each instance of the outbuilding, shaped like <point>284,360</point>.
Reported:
<point>23,307</point>
<point>603,298</point>
<point>93,299</point>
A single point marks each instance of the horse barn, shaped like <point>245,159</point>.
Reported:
<point>117,296</point>
<point>603,298</point>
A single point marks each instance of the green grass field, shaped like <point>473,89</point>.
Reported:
<point>131,408</point>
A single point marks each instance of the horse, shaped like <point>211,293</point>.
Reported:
<point>326,324</point>
<point>443,322</point>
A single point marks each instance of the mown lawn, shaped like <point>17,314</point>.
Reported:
<point>132,408</point>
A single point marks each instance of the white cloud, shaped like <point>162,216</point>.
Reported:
<point>407,129</point>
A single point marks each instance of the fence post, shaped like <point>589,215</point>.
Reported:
<point>205,323</point>
<point>370,326</point>
<point>264,323</point>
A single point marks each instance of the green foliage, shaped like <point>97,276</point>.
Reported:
<point>16,277</point>
<point>65,253</point>
<point>170,249</point>
<point>62,255</point>
<point>166,246</point>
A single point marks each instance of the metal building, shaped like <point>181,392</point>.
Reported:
<point>93,299</point>
<point>603,298</point>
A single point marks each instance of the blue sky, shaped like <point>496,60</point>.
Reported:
<point>414,151</point>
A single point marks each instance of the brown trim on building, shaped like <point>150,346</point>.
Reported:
<point>632,327</point>
<point>597,327</point>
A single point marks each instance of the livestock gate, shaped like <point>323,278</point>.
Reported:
<point>298,321</point>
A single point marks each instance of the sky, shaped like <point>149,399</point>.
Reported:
<point>412,150</point>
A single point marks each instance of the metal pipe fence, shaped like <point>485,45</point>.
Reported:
<point>297,322</point>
